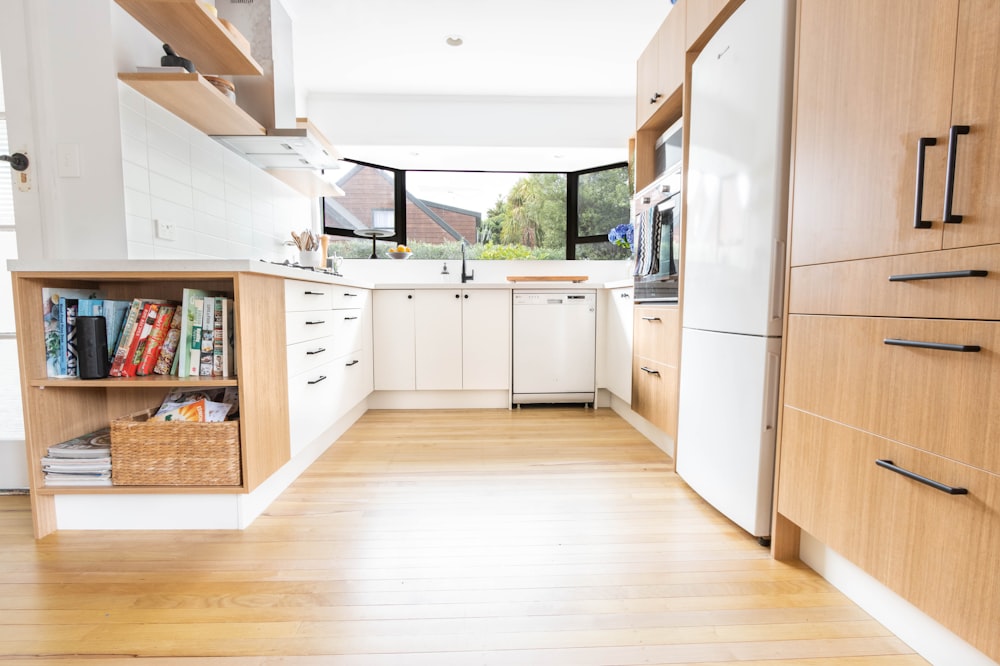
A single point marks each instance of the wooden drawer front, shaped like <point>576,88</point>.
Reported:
<point>349,297</point>
<point>654,394</point>
<point>936,550</point>
<point>347,331</point>
<point>939,401</point>
<point>301,295</point>
<point>863,287</point>
<point>310,354</point>
<point>309,325</point>
<point>656,333</point>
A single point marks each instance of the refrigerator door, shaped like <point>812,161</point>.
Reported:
<point>727,420</point>
<point>737,184</point>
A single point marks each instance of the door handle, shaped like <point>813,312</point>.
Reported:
<point>918,199</point>
<point>651,319</point>
<point>649,371</point>
<point>316,351</point>
<point>949,179</point>
<point>317,381</point>
<point>937,276</point>
<point>940,346</point>
<point>937,485</point>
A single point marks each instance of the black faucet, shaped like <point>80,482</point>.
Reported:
<point>466,277</point>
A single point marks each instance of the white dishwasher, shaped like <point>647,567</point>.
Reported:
<point>554,346</point>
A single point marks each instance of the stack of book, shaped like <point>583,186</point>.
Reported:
<point>81,461</point>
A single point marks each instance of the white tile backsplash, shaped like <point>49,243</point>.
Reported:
<point>221,205</point>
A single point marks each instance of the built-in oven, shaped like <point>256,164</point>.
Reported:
<point>656,221</point>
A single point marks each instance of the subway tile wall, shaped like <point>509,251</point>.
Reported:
<point>220,205</point>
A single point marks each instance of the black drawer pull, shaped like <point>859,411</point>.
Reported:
<point>317,381</point>
<point>316,351</point>
<point>354,362</point>
<point>655,98</point>
<point>314,293</point>
<point>624,295</point>
<point>349,318</point>
<point>349,295</point>
<point>937,485</point>
<point>649,370</point>
<point>918,200</point>
<point>314,323</point>
<point>949,177</point>
<point>940,346</point>
<point>938,276</point>
<point>651,319</point>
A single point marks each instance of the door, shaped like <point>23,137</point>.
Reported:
<point>486,339</point>
<point>873,78</point>
<point>977,104</point>
<point>394,339</point>
<point>438,334</point>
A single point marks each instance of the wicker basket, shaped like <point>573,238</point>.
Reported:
<point>174,453</point>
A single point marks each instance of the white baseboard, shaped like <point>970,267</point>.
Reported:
<point>645,428</point>
<point>439,399</point>
<point>929,639</point>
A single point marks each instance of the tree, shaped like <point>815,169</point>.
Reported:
<point>535,212</point>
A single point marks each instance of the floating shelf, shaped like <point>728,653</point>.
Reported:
<point>194,34</point>
<point>169,381</point>
<point>194,100</point>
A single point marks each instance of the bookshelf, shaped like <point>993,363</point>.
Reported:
<point>59,409</point>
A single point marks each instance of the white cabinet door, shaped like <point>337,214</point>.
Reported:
<point>618,344</point>
<point>486,339</point>
<point>394,339</point>
<point>438,318</point>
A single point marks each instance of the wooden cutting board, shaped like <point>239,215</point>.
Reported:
<point>547,278</point>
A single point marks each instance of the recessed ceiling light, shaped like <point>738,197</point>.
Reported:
<point>454,40</point>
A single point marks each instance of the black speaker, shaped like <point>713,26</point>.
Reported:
<point>92,347</point>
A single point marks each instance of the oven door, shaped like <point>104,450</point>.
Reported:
<point>660,286</point>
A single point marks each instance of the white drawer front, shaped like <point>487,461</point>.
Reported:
<point>310,354</point>
<point>348,297</point>
<point>320,396</point>
<point>347,331</point>
<point>309,325</point>
<point>301,295</point>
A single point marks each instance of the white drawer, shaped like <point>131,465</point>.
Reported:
<point>320,396</point>
<point>310,354</point>
<point>348,297</point>
<point>308,325</point>
<point>347,331</point>
<point>301,295</point>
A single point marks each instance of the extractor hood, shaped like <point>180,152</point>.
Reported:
<point>289,142</point>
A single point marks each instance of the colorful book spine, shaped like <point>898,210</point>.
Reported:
<point>207,337</point>
<point>142,330</point>
<point>114,316</point>
<point>50,326</point>
<point>194,340</point>
<point>218,336</point>
<point>155,341</point>
<point>125,337</point>
<point>168,350</point>
<point>90,307</point>
<point>72,360</point>
<point>228,342</point>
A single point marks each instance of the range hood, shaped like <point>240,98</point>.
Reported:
<point>289,142</point>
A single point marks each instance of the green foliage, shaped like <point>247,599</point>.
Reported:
<point>603,201</point>
<point>535,212</point>
<point>517,251</point>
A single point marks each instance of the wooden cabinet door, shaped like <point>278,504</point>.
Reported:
<point>645,83</point>
<point>872,78</point>
<point>438,326</point>
<point>660,68</point>
<point>394,340</point>
<point>976,104</point>
<point>486,339</point>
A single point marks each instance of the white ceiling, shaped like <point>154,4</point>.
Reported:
<point>512,48</point>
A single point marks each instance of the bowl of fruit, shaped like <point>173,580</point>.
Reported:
<point>400,252</point>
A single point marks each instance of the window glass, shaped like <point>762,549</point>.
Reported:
<point>603,201</point>
<point>369,202</point>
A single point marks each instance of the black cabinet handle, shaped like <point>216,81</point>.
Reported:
<point>314,323</point>
<point>354,362</point>
<point>409,295</point>
<point>649,370</point>
<point>937,485</point>
<point>466,295</point>
<point>940,346</point>
<point>655,98</point>
<point>349,318</point>
<point>949,179</point>
<point>938,276</point>
<point>458,295</point>
<point>349,295</point>
<point>314,293</point>
<point>651,319</point>
<point>624,295</point>
<point>317,381</point>
<point>315,351</point>
<point>918,199</point>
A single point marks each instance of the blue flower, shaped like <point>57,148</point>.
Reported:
<point>621,236</point>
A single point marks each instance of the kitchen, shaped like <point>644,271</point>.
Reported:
<point>100,238</point>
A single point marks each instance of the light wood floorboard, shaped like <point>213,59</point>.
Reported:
<point>548,536</point>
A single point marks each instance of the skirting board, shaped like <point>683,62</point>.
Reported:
<point>662,440</point>
<point>928,638</point>
<point>439,399</point>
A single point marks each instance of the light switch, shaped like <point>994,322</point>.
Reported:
<point>68,158</point>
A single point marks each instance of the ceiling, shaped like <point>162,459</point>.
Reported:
<point>513,48</point>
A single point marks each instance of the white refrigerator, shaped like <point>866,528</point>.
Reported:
<point>733,265</point>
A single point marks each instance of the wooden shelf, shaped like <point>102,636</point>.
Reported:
<point>194,100</point>
<point>140,490</point>
<point>148,381</point>
<point>194,34</point>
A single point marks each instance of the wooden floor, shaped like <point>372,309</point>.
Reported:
<point>556,537</point>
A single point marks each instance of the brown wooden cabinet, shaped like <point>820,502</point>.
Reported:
<point>655,361</point>
<point>60,409</point>
<point>891,337</point>
<point>660,68</point>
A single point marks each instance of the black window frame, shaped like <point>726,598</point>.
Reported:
<point>573,237</point>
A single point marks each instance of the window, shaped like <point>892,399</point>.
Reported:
<point>11,419</point>
<point>499,215</point>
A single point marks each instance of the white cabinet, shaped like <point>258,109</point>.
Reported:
<point>441,339</point>
<point>617,376</point>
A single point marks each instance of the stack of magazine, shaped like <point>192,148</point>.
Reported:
<point>81,461</point>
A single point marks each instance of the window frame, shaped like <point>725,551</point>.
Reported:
<point>573,237</point>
